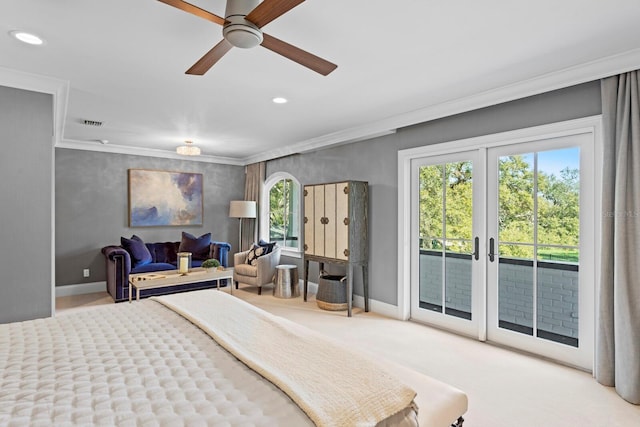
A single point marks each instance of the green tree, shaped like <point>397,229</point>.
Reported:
<point>430,206</point>
<point>559,208</point>
<point>451,183</point>
<point>282,205</point>
<point>446,191</point>
<point>515,205</point>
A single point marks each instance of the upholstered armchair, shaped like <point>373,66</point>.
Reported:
<point>260,273</point>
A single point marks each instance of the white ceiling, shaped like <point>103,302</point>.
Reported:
<point>122,62</point>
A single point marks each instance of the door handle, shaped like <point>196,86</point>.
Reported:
<point>476,249</point>
<point>491,248</point>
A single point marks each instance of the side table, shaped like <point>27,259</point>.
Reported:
<point>286,281</point>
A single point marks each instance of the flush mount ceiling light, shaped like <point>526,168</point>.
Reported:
<point>25,37</point>
<point>279,100</point>
<point>188,149</point>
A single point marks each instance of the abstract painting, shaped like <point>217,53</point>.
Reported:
<point>162,198</point>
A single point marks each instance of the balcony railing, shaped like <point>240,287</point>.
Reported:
<point>556,297</point>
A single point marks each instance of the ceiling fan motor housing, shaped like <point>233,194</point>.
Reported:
<point>238,31</point>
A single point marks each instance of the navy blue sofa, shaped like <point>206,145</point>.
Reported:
<point>120,263</point>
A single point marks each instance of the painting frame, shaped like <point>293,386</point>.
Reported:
<point>160,198</point>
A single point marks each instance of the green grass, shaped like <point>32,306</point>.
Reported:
<point>557,254</point>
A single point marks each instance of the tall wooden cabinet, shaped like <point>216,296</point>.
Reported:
<point>335,230</point>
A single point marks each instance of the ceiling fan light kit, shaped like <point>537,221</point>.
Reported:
<point>242,27</point>
<point>237,30</point>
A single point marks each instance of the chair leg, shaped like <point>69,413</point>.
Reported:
<point>259,290</point>
<point>236,285</point>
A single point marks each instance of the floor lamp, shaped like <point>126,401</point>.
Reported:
<point>242,209</point>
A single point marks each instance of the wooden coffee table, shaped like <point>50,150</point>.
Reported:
<point>163,279</point>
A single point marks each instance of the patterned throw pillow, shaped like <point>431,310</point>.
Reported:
<point>254,253</point>
<point>268,247</point>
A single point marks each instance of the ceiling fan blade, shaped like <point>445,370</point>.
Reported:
<point>298,55</point>
<point>210,58</point>
<point>194,10</point>
<point>269,10</point>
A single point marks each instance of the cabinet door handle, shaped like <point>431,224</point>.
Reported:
<point>306,220</point>
<point>346,221</point>
<point>346,252</point>
<point>326,220</point>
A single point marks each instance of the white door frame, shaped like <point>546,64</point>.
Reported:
<point>591,125</point>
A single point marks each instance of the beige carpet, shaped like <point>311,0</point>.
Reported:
<point>505,388</point>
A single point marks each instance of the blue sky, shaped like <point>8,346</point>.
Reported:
<point>553,161</point>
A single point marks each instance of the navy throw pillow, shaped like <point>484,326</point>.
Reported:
<point>198,246</point>
<point>268,247</point>
<point>138,251</point>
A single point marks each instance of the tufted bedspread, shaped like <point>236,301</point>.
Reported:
<point>132,364</point>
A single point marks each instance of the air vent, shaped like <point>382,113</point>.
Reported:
<point>92,123</point>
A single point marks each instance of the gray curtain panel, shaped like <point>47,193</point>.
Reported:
<point>618,324</point>
<point>254,181</point>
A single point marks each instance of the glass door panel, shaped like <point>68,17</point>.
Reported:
<point>431,232</point>
<point>558,250</point>
<point>445,244</point>
<point>538,229</point>
<point>534,281</point>
<point>515,248</point>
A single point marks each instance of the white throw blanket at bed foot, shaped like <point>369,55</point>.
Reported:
<point>333,385</point>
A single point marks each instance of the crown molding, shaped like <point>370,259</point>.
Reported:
<point>589,71</point>
<point>147,152</point>
<point>43,84</point>
<point>330,140</point>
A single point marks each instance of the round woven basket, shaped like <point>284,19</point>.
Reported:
<point>332,293</point>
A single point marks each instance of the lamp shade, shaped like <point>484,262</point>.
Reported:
<point>242,209</point>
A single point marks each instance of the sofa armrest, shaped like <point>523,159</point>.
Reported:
<point>220,251</point>
<point>118,267</point>
<point>117,253</point>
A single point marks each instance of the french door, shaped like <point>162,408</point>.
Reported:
<point>540,230</point>
<point>447,241</point>
<point>502,244</point>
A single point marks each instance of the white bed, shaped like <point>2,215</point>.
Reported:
<point>155,363</point>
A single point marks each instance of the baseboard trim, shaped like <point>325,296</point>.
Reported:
<point>375,306</point>
<point>80,289</point>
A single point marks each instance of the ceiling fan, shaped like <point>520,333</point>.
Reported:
<point>242,28</point>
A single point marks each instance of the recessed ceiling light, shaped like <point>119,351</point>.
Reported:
<point>280,100</point>
<point>27,37</point>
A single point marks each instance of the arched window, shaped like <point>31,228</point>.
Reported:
<point>281,218</point>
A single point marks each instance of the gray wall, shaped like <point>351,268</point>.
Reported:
<point>92,207</point>
<point>26,162</point>
<point>375,161</point>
